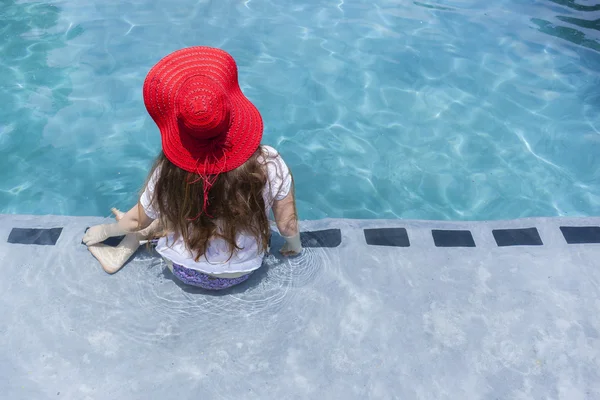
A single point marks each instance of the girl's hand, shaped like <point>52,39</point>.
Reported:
<point>287,251</point>
<point>117,213</point>
<point>292,246</point>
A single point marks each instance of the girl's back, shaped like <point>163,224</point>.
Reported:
<point>232,235</point>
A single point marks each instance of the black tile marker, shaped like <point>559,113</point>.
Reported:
<point>581,234</point>
<point>38,236</point>
<point>324,238</point>
<point>394,237</point>
<point>452,238</point>
<point>517,237</point>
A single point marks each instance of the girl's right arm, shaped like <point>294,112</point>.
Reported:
<point>286,219</point>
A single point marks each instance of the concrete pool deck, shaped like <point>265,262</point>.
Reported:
<point>373,309</point>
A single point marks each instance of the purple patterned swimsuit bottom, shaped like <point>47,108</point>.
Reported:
<point>205,281</point>
<point>200,279</point>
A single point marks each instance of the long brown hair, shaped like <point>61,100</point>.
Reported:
<point>236,204</point>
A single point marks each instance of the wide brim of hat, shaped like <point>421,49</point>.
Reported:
<point>245,130</point>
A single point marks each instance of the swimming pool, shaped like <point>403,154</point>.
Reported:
<point>456,110</point>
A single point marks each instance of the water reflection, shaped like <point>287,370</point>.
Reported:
<point>575,6</point>
<point>571,33</point>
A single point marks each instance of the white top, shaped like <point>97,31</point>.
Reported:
<point>217,258</point>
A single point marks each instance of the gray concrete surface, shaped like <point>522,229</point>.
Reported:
<point>348,322</point>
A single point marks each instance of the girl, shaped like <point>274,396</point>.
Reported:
<point>211,189</point>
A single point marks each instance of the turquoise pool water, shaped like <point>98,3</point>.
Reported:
<point>448,109</point>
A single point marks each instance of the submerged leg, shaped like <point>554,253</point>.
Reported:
<point>112,259</point>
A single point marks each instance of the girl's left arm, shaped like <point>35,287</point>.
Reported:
<point>133,221</point>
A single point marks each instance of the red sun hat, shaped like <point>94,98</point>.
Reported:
<point>206,123</point>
